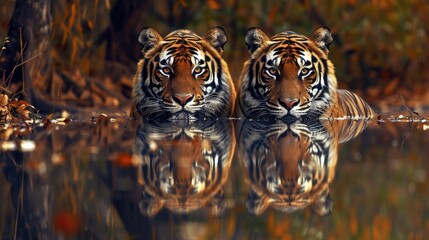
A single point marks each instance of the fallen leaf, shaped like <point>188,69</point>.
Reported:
<point>103,119</point>
<point>124,160</point>
<point>4,100</point>
<point>19,104</point>
<point>67,223</point>
<point>213,4</point>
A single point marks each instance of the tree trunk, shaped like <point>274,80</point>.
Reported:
<point>25,60</point>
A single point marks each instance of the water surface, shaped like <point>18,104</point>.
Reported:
<point>219,179</point>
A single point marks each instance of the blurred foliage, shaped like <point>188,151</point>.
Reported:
<point>380,46</point>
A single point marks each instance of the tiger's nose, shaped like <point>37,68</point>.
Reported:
<point>182,99</point>
<point>288,103</point>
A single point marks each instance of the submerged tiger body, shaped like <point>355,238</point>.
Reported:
<point>290,75</point>
<point>182,76</point>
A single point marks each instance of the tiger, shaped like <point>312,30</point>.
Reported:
<point>182,76</point>
<point>289,76</point>
<point>289,165</point>
<point>184,165</point>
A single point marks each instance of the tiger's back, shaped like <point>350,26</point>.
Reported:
<point>349,106</point>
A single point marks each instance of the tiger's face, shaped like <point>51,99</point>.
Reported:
<point>183,76</point>
<point>287,75</point>
<point>289,166</point>
<point>184,166</point>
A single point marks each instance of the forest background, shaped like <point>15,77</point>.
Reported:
<point>380,48</point>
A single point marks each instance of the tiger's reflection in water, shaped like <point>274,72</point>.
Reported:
<point>289,166</point>
<point>184,165</point>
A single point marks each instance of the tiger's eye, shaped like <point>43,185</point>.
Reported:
<point>304,71</point>
<point>166,70</point>
<point>272,71</point>
<point>198,70</point>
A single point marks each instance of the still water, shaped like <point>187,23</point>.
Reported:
<point>220,179</point>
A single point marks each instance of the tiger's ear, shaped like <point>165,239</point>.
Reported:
<point>148,38</point>
<point>216,37</point>
<point>218,204</point>
<point>323,205</point>
<point>255,38</point>
<point>322,36</point>
<point>255,203</point>
<point>150,205</point>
